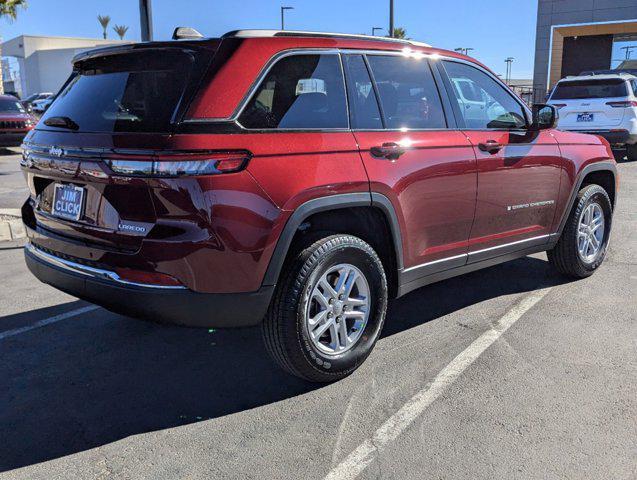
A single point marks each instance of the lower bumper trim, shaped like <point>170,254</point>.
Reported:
<point>176,306</point>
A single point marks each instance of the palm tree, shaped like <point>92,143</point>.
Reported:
<point>120,30</point>
<point>9,9</point>
<point>400,32</point>
<point>104,21</point>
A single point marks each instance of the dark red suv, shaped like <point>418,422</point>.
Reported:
<point>299,180</point>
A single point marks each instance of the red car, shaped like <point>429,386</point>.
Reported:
<point>299,180</point>
<point>15,122</point>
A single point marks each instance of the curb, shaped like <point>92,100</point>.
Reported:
<point>11,227</point>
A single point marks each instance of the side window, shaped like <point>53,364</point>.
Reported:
<point>362,99</point>
<point>483,102</point>
<point>633,84</point>
<point>299,91</point>
<point>408,93</point>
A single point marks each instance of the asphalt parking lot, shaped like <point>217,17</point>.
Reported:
<point>510,372</point>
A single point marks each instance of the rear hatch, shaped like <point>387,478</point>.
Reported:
<point>119,105</point>
<point>588,104</point>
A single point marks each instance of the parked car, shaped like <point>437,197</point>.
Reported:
<point>15,122</point>
<point>602,104</point>
<point>298,181</point>
<point>27,103</point>
<point>40,106</point>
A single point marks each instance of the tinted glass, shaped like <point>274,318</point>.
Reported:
<point>362,99</point>
<point>125,93</point>
<point>408,93</point>
<point>300,91</point>
<point>11,106</point>
<point>572,90</point>
<point>483,103</point>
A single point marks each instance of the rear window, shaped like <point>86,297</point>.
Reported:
<point>590,89</point>
<point>133,92</point>
<point>7,105</point>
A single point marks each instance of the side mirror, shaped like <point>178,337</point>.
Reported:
<point>544,117</point>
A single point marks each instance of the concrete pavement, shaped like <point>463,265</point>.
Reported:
<point>98,395</point>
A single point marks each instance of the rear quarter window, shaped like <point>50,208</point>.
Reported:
<point>299,92</point>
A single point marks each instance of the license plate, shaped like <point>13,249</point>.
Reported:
<point>585,117</point>
<point>68,201</point>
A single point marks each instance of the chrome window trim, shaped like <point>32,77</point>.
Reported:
<point>92,272</point>
<point>407,51</point>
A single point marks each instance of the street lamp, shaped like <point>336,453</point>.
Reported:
<point>146,20</point>
<point>283,9</point>
<point>374,30</point>
<point>508,61</point>
<point>391,18</point>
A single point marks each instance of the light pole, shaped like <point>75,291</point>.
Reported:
<point>508,61</point>
<point>391,18</point>
<point>283,9</point>
<point>374,30</point>
<point>146,20</point>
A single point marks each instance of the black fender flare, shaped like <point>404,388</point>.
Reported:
<point>322,204</point>
<point>609,166</point>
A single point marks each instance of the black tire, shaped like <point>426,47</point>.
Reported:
<point>619,154</point>
<point>631,152</point>
<point>284,328</point>
<point>565,256</point>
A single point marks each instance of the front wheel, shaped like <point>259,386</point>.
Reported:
<point>328,310</point>
<point>581,248</point>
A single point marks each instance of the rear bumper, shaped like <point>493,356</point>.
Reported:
<point>12,139</point>
<point>175,305</point>
<point>614,137</point>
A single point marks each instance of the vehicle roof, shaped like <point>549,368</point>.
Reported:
<point>605,76</point>
<point>257,33</point>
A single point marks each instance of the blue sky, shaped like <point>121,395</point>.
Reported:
<point>495,28</point>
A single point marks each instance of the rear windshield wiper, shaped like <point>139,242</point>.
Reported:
<point>62,122</point>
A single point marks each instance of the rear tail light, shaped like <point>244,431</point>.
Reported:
<point>623,104</point>
<point>182,164</point>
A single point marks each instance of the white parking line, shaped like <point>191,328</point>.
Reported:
<point>47,321</point>
<point>364,454</point>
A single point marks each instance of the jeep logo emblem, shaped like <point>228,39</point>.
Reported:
<point>56,152</point>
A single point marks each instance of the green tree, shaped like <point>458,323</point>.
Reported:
<point>9,9</point>
<point>120,30</point>
<point>104,21</point>
<point>400,32</point>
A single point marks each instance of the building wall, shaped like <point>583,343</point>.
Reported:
<point>568,12</point>
<point>45,62</point>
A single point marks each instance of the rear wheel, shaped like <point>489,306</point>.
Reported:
<point>582,246</point>
<point>328,310</point>
<point>631,152</point>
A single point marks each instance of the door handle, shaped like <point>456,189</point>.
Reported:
<point>490,146</point>
<point>388,150</point>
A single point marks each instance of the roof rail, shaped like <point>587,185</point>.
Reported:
<point>298,33</point>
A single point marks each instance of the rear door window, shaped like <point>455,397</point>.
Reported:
<point>131,92</point>
<point>594,88</point>
<point>299,92</point>
<point>408,94</point>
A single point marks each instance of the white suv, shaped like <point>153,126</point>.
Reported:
<point>604,105</point>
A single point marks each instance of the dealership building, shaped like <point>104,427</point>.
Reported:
<point>574,36</point>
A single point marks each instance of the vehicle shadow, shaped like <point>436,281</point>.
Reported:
<point>5,151</point>
<point>98,378</point>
